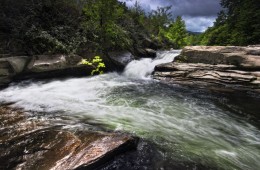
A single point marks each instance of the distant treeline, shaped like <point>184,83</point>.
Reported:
<point>72,26</point>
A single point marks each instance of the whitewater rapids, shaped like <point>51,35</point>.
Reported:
<point>186,125</point>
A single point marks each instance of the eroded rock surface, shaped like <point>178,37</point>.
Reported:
<point>232,66</point>
<point>27,142</point>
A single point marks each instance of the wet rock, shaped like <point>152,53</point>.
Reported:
<point>238,67</point>
<point>30,143</point>
<point>121,59</point>
<point>205,74</point>
<point>144,53</point>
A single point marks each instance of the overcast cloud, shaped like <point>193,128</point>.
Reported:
<point>198,14</point>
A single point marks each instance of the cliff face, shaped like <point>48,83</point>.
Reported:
<point>230,66</point>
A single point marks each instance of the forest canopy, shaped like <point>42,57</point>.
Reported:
<point>72,26</point>
<point>237,24</point>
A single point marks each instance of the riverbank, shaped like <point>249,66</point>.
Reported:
<point>218,67</point>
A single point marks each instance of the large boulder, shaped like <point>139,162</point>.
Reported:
<point>234,67</point>
<point>28,142</point>
<point>46,63</point>
<point>41,66</point>
<point>47,66</point>
<point>144,53</point>
<point>121,58</point>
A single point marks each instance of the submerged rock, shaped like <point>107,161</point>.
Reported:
<point>31,143</point>
<point>235,67</point>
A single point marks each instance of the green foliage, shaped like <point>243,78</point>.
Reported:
<point>192,40</point>
<point>102,23</point>
<point>40,26</point>
<point>176,33</point>
<point>159,19</point>
<point>238,24</point>
<point>76,26</point>
<point>97,64</point>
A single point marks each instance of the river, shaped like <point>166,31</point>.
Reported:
<point>185,125</point>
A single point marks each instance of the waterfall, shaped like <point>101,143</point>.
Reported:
<point>142,69</point>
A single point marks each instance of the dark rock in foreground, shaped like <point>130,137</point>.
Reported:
<point>235,67</point>
<point>29,143</point>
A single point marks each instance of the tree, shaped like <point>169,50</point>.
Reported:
<point>177,32</point>
<point>102,24</point>
<point>237,24</point>
<point>160,19</point>
<point>39,26</point>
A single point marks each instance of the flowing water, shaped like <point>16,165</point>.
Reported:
<point>185,124</point>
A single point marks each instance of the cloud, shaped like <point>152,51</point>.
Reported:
<point>198,14</point>
<point>198,24</point>
<point>195,7</point>
<point>182,7</point>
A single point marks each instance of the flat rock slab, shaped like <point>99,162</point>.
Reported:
<point>214,66</point>
<point>29,143</point>
<point>246,58</point>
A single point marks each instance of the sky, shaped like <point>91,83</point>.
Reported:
<point>198,14</point>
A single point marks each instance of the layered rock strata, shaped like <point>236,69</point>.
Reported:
<point>235,67</point>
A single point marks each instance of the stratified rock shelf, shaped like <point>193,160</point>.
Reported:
<point>28,142</point>
<point>214,66</point>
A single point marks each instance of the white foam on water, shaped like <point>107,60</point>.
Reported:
<point>131,101</point>
<point>142,69</point>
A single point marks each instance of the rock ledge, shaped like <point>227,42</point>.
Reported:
<point>231,66</point>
